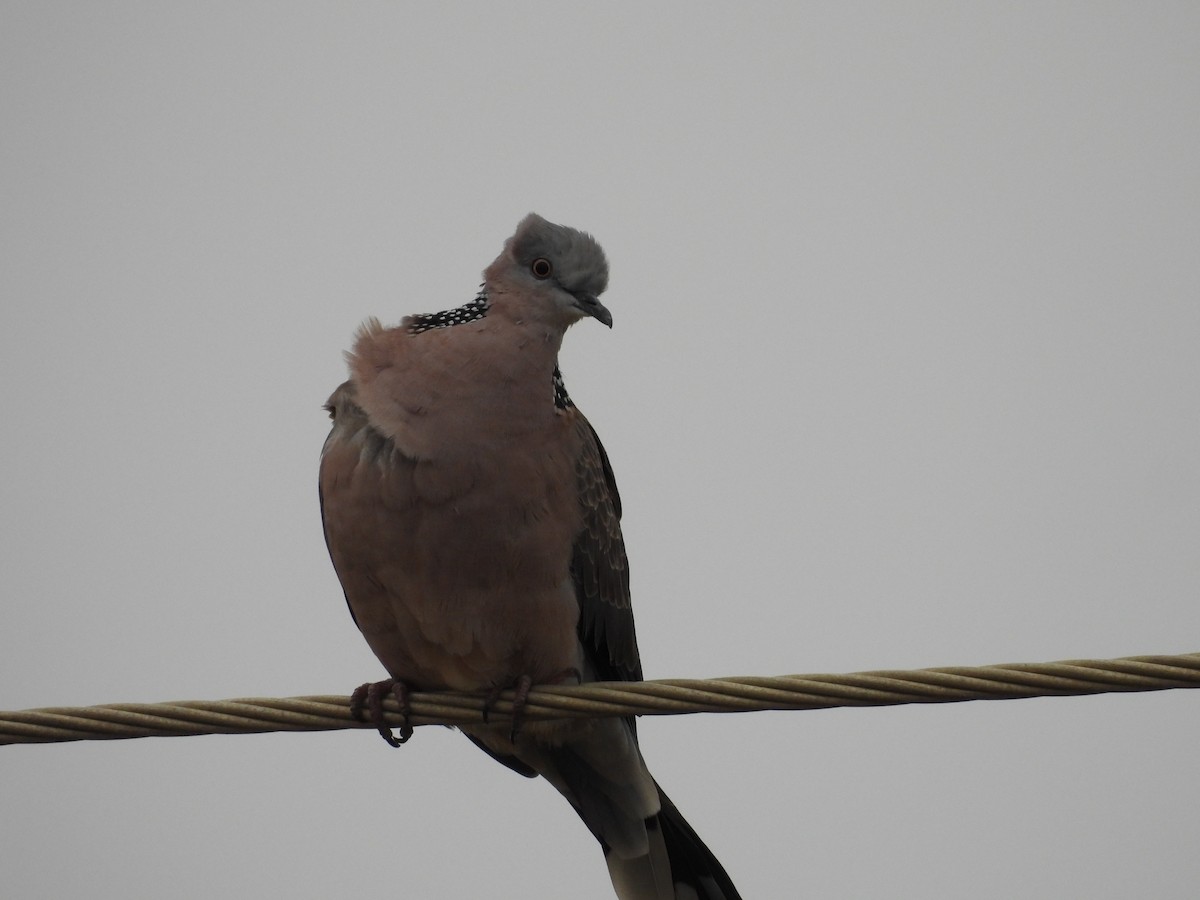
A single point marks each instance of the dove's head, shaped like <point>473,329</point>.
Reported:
<point>559,271</point>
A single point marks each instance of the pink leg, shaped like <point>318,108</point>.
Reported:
<point>521,688</point>
<point>366,705</point>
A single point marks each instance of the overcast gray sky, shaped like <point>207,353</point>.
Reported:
<point>905,373</point>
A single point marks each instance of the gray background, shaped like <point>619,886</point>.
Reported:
<point>904,373</point>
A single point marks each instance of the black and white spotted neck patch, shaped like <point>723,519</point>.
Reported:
<point>460,315</point>
<point>561,399</point>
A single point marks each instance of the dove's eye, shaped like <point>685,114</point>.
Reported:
<point>540,268</point>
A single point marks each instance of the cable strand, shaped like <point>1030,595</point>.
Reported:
<point>754,693</point>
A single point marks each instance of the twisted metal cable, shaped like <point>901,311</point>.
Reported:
<point>953,684</point>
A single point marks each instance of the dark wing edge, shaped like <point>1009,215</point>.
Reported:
<point>600,568</point>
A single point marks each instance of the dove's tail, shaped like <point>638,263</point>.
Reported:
<point>678,867</point>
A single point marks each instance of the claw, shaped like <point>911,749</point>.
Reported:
<point>521,688</point>
<point>366,705</point>
<point>490,700</point>
<point>520,696</point>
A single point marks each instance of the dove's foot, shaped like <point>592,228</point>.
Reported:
<point>366,705</point>
<point>521,688</point>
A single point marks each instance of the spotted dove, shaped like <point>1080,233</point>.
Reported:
<point>473,519</point>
